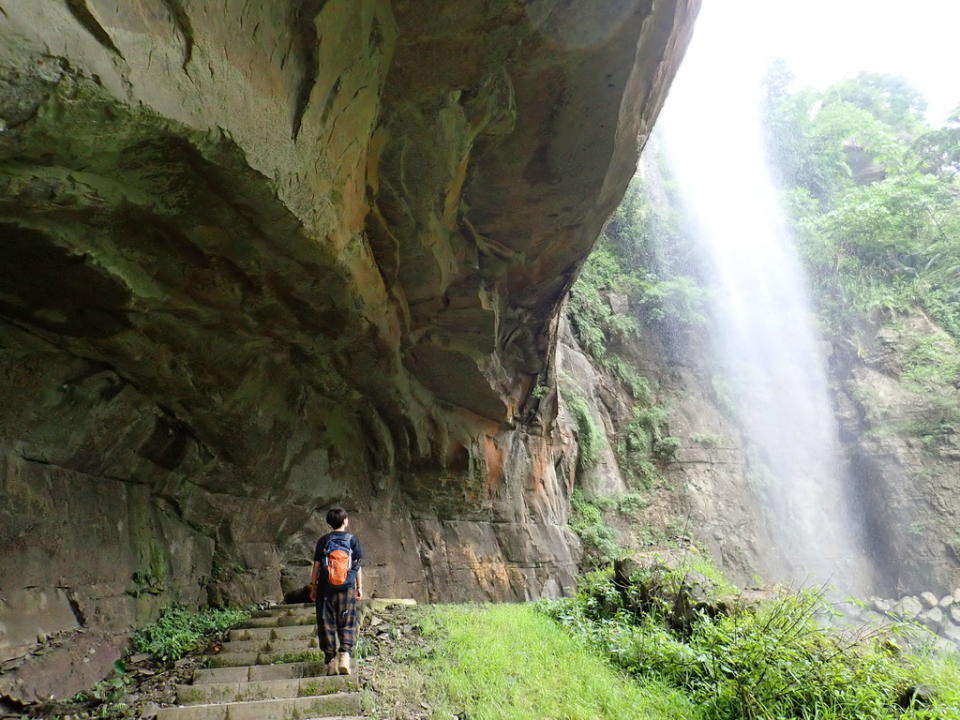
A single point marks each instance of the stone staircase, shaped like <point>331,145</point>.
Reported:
<point>248,680</point>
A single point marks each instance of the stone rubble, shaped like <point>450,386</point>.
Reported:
<point>940,615</point>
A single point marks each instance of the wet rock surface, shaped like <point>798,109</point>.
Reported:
<point>904,450</point>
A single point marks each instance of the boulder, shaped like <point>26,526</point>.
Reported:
<point>929,600</point>
<point>619,303</point>
<point>908,607</point>
<point>951,632</point>
<point>932,619</point>
<point>917,696</point>
<point>662,583</point>
<point>953,612</point>
<point>881,605</point>
<point>744,601</point>
<point>946,601</point>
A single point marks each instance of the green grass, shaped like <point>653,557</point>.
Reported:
<point>942,673</point>
<point>510,662</point>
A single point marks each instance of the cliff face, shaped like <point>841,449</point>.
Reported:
<point>263,258</point>
<point>898,399</point>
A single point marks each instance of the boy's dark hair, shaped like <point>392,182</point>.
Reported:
<point>335,517</point>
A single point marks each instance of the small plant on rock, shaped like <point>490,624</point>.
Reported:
<point>179,631</point>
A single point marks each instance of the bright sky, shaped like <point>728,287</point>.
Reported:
<point>826,40</point>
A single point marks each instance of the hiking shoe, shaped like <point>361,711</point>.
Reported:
<point>344,663</point>
<point>333,667</point>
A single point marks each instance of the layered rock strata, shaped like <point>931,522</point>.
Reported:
<point>262,258</point>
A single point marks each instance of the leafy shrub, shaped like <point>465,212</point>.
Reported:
<point>706,440</point>
<point>640,443</point>
<point>773,661</point>
<point>632,503</point>
<point>109,690</point>
<point>636,384</point>
<point>664,449</point>
<point>586,520</point>
<point>177,631</point>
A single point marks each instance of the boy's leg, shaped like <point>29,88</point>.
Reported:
<point>327,625</point>
<point>347,619</point>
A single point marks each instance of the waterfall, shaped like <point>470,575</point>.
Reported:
<point>764,332</point>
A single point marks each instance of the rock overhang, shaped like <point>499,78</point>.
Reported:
<point>263,257</point>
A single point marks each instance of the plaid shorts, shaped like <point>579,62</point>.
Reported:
<point>337,620</point>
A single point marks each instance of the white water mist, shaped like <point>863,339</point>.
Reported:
<point>764,331</point>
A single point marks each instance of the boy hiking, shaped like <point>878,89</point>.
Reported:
<point>335,586</point>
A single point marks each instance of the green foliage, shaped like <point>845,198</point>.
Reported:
<point>772,661</point>
<point>106,695</point>
<point>540,391</point>
<point>636,384</point>
<point>932,362</point>
<point>641,443</point>
<point>110,689</point>
<point>672,577</point>
<point>888,245</point>
<point>177,631</point>
<point>677,301</point>
<point>589,437</point>
<point>643,257</point>
<point>665,448</point>
<point>586,520</point>
<point>593,320</point>
<point>632,503</point>
<point>884,246</point>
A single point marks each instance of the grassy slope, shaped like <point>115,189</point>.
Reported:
<point>509,662</point>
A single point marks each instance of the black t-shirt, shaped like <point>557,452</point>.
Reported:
<point>356,554</point>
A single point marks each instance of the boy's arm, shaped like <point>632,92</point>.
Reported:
<point>314,575</point>
<point>358,557</point>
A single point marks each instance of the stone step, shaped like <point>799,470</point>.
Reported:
<point>310,612</point>
<point>236,659</point>
<point>381,604</point>
<point>294,644</point>
<point>288,615</point>
<point>333,705</point>
<point>225,692</point>
<point>279,621</point>
<point>254,673</point>
<point>290,632</point>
